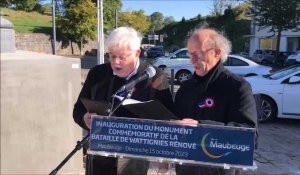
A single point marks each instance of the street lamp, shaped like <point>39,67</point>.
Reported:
<point>100,36</point>
<point>53,29</point>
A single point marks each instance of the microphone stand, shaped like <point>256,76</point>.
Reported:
<point>81,143</point>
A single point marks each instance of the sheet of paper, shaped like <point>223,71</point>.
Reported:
<point>128,101</point>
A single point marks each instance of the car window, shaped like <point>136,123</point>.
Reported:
<point>155,49</point>
<point>283,72</point>
<point>227,62</point>
<point>238,62</point>
<point>270,52</point>
<point>259,52</point>
<point>182,54</point>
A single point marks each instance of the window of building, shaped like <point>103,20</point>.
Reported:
<point>268,43</point>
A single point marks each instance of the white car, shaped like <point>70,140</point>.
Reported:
<point>236,64</point>
<point>279,92</point>
<point>293,59</point>
<point>178,57</point>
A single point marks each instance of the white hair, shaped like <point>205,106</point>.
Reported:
<point>123,37</point>
<point>216,40</point>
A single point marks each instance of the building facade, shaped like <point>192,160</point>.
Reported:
<point>264,39</point>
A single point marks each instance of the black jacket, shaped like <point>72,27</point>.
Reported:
<point>220,96</point>
<point>101,84</point>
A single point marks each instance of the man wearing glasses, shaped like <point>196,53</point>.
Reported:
<point>213,95</point>
<point>123,45</point>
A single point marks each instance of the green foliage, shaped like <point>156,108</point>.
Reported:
<point>135,19</point>
<point>28,22</point>
<point>109,7</point>
<point>26,5</point>
<point>157,20</point>
<point>47,8</point>
<point>4,3</point>
<point>168,20</point>
<point>78,22</point>
<point>231,23</point>
<point>279,15</point>
<point>39,8</point>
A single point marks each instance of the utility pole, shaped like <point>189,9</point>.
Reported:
<point>100,50</point>
<point>116,18</point>
<point>53,29</point>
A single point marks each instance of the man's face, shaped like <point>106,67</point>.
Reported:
<point>123,61</point>
<point>203,56</point>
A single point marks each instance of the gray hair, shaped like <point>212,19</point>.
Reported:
<point>123,37</point>
<point>216,39</point>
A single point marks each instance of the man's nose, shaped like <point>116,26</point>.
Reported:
<point>116,60</point>
<point>194,59</point>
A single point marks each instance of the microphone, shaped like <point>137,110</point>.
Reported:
<point>148,73</point>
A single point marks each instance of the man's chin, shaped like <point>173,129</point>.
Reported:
<point>119,74</point>
<point>200,72</point>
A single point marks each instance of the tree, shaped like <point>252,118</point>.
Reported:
<point>109,7</point>
<point>157,20</point>
<point>78,22</point>
<point>135,19</point>
<point>168,20</point>
<point>219,6</point>
<point>26,5</point>
<point>278,15</point>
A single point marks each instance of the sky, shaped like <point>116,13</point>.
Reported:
<point>176,8</point>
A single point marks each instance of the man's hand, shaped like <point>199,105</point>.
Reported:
<point>163,168</point>
<point>88,119</point>
<point>189,122</point>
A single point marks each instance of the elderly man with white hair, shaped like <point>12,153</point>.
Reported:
<point>123,45</point>
<point>213,95</point>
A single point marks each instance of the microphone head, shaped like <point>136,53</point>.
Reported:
<point>150,71</point>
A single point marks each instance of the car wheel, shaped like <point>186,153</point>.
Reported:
<point>162,67</point>
<point>183,75</point>
<point>267,109</point>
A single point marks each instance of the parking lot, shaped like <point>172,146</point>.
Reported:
<point>278,148</point>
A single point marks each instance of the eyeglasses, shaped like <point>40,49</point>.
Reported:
<point>121,58</point>
<point>198,54</point>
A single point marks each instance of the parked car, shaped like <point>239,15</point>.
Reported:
<point>280,93</point>
<point>293,59</point>
<point>178,57</point>
<point>155,52</point>
<point>236,64</point>
<point>264,56</point>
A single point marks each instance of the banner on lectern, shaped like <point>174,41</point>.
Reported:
<point>172,141</point>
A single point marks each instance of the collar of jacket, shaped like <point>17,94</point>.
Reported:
<point>210,77</point>
<point>142,67</point>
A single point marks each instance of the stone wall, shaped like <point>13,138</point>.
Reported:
<point>38,92</point>
<point>39,42</point>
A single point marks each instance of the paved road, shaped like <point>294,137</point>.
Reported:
<point>278,148</point>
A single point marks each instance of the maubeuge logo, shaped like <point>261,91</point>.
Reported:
<point>227,147</point>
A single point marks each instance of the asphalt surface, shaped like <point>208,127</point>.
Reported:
<point>278,148</point>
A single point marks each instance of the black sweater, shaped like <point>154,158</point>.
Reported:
<point>101,84</point>
<point>220,96</point>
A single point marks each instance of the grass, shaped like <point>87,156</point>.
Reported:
<point>28,22</point>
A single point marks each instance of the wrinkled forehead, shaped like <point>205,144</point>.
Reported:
<point>198,41</point>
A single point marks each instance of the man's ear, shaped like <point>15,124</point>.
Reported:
<point>137,53</point>
<point>217,52</point>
